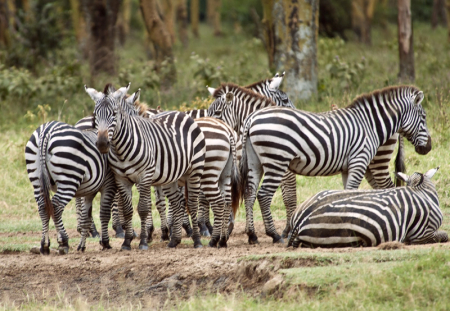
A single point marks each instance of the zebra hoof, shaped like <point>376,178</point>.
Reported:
<point>198,245</point>
<point>285,233</point>
<point>126,246</point>
<point>212,243</point>
<point>81,248</point>
<point>230,228</point>
<point>277,239</point>
<point>205,233</point>
<point>119,232</point>
<point>252,238</point>
<point>94,234</point>
<point>173,243</point>
<point>143,247</point>
<point>45,251</point>
<point>222,243</point>
<point>63,250</point>
<point>105,245</point>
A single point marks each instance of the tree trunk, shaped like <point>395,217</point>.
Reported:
<point>210,12</point>
<point>217,28</point>
<point>362,15</point>
<point>123,22</point>
<point>447,4</point>
<point>78,22</point>
<point>182,21</point>
<point>292,28</point>
<point>4,24</point>
<point>438,14</point>
<point>405,42</point>
<point>168,11</point>
<point>102,20</point>
<point>195,12</point>
<point>160,37</point>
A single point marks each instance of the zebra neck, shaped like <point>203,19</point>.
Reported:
<point>381,119</point>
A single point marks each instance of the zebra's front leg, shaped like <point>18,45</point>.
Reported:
<point>144,211</point>
<point>85,222</point>
<point>161,207</point>
<point>265,194</point>
<point>289,192</point>
<point>108,196</point>
<point>125,203</point>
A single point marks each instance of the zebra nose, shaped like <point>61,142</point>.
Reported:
<point>103,145</point>
<point>424,149</point>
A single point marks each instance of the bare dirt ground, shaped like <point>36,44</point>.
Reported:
<point>145,276</point>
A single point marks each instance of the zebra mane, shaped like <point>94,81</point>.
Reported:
<point>109,89</point>
<point>262,82</point>
<point>384,92</point>
<point>139,106</point>
<point>239,91</point>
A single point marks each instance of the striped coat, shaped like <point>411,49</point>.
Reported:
<point>340,218</point>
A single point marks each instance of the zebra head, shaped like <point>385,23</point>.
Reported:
<point>419,180</point>
<point>277,95</point>
<point>414,122</point>
<point>106,106</point>
<point>224,98</point>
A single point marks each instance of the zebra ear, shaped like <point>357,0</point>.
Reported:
<point>402,176</point>
<point>431,172</point>
<point>94,94</point>
<point>120,93</point>
<point>229,97</point>
<point>211,90</point>
<point>419,98</point>
<point>276,82</point>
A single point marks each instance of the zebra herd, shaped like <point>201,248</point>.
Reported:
<point>192,160</point>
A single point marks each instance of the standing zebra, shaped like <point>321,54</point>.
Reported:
<point>157,151</point>
<point>343,141</point>
<point>64,159</point>
<point>342,218</point>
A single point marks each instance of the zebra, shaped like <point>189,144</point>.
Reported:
<point>160,151</point>
<point>63,159</point>
<point>342,218</point>
<point>344,141</point>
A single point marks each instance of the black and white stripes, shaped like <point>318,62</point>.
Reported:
<point>341,218</point>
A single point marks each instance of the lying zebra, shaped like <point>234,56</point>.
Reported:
<point>339,218</point>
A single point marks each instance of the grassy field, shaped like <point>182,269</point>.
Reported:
<point>399,279</point>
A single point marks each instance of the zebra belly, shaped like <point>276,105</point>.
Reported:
<point>301,166</point>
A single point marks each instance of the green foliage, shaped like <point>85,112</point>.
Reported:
<point>348,74</point>
<point>38,37</point>
<point>208,72</point>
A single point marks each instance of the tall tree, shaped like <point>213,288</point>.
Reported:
<point>195,14</point>
<point>447,4</point>
<point>161,40</point>
<point>123,21</point>
<point>78,22</point>
<point>438,15</point>
<point>182,21</point>
<point>291,30</point>
<point>168,11</point>
<point>101,20</point>
<point>4,24</point>
<point>405,42</point>
<point>362,15</point>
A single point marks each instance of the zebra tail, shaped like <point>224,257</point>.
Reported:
<point>235,180</point>
<point>44,179</point>
<point>243,165</point>
<point>400,161</point>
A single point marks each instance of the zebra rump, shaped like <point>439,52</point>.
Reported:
<point>343,218</point>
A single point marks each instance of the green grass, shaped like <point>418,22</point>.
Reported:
<point>368,280</point>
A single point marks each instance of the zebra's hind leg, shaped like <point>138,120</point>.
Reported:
<point>218,206</point>
<point>117,217</point>
<point>176,212</point>
<point>45,219</point>
<point>265,194</point>
<point>86,218</point>
<point>145,212</point>
<point>203,216</point>
<point>289,192</point>
<point>193,190</point>
<point>125,203</point>
<point>161,207</point>
<point>63,238</point>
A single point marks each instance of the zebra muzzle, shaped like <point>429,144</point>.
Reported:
<point>103,142</point>
<point>424,149</point>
